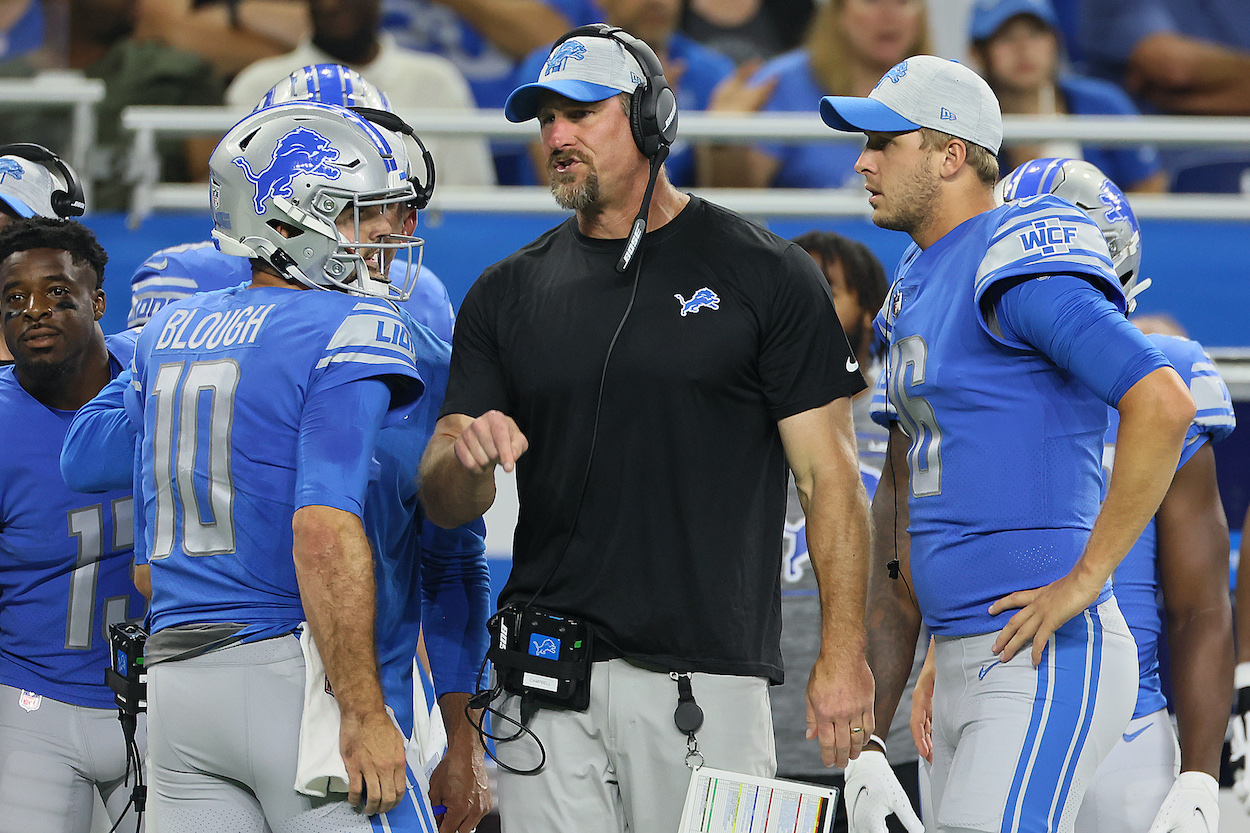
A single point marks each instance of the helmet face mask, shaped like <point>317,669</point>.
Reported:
<point>1086,187</point>
<point>296,184</point>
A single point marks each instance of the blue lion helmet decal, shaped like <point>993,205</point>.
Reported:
<point>570,50</point>
<point>10,166</point>
<point>302,151</point>
<point>1117,206</point>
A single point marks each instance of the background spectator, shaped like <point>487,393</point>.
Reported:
<point>693,70</point>
<point>229,34</point>
<point>1016,43</point>
<point>346,31</point>
<point>487,40</point>
<point>747,29</point>
<point>850,45</point>
<point>1178,56</point>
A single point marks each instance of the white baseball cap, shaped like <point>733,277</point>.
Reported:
<point>26,187</point>
<point>584,69</point>
<point>922,91</point>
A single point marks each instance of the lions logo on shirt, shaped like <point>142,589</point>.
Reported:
<point>302,151</point>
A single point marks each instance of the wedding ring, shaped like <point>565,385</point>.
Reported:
<point>857,729</point>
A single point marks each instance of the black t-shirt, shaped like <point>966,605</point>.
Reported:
<point>675,552</point>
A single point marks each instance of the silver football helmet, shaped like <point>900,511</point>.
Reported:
<point>1089,189</point>
<point>329,84</point>
<point>291,184</point>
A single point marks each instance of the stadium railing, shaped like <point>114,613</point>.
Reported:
<point>151,194</point>
<point>61,90</point>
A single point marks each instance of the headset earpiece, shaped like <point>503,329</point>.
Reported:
<point>653,113</point>
<point>67,202</point>
<point>395,124</point>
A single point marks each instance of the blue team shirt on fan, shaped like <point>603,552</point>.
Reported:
<point>1006,446</point>
<point>65,557</point>
<point>182,271</point>
<point>219,389</point>
<point>430,26</point>
<point>811,164</point>
<point>1136,580</point>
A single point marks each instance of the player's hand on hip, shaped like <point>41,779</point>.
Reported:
<point>922,707</point>
<point>1043,611</point>
<point>873,792</point>
<point>493,438</point>
<point>459,783</point>
<point>840,694</point>
<point>1191,806</point>
<point>373,752</point>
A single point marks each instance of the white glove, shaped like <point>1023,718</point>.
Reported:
<point>1192,806</point>
<point>873,792</point>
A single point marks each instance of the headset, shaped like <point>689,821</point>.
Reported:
<point>395,124</point>
<point>653,113</point>
<point>67,202</point>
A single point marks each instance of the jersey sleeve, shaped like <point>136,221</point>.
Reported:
<point>337,434</point>
<point>99,448</point>
<point>805,361</point>
<point>477,383</point>
<point>373,340</point>
<point>1214,419</point>
<point>1077,328</point>
<point>1042,236</point>
<point>455,588</point>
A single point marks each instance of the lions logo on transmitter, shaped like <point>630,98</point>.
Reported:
<point>570,50</point>
<point>546,647</point>
<point>302,151</point>
<point>701,298</point>
<point>11,167</point>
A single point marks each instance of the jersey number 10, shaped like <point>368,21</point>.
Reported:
<point>204,400</point>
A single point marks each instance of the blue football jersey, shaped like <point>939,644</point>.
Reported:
<point>65,557</point>
<point>220,383</point>
<point>1005,446</point>
<point>415,559</point>
<point>1136,580</point>
<point>182,271</point>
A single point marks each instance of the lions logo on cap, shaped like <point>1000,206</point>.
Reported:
<point>569,50</point>
<point>10,166</point>
<point>302,151</point>
<point>896,74</point>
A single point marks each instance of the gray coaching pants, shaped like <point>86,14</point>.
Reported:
<point>619,766</point>
<point>52,758</point>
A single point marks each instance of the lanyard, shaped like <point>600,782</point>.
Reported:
<point>688,717</point>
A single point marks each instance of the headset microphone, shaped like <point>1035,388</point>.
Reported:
<point>640,222</point>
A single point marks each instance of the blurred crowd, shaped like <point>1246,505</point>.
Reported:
<point>1041,57</point>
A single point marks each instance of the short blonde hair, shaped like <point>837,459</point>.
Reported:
<point>980,158</point>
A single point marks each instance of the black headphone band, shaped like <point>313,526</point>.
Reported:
<point>653,115</point>
<point>67,202</point>
<point>392,122</point>
<point>641,52</point>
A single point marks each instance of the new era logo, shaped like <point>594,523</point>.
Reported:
<point>946,115</point>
